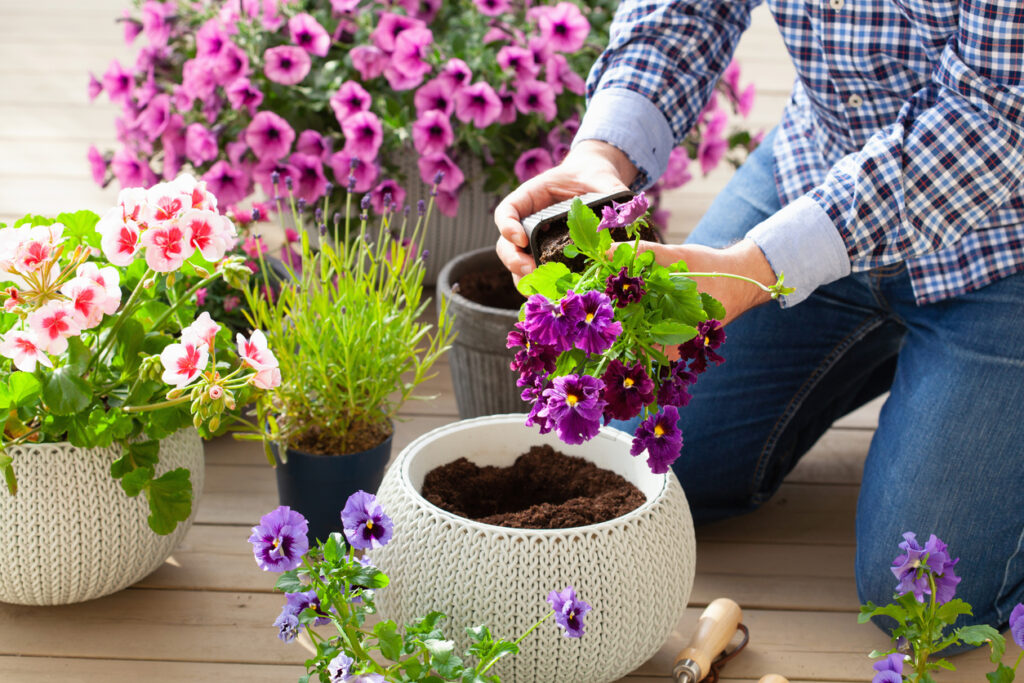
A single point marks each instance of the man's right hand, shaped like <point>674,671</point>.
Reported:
<point>591,166</point>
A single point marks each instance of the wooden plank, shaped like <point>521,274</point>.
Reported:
<point>55,669</point>
<point>837,458</point>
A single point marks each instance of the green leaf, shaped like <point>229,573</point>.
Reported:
<point>23,390</point>
<point>8,470</point>
<point>148,312</point>
<point>583,224</point>
<point>368,577</point>
<point>334,548</point>
<point>129,344</point>
<point>871,610</point>
<point>1003,674</point>
<point>389,639</point>
<point>65,392</point>
<point>570,251</point>
<point>443,658</point>
<point>712,306</point>
<point>170,500</point>
<point>134,455</point>
<point>669,332</point>
<point>289,582</point>
<point>979,634</point>
<point>948,612</point>
<point>568,361</point>
<point>79,356</point>
<point>81,226</point>
<point>30,219</point>
<point>135,481</point>
<point>552,280</point>
<point>424,625</point>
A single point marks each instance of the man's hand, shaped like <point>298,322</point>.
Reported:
<point>591,166</point>
<point>743,258</point>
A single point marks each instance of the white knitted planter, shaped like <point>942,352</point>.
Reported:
<point>636,571</point>
<point>71,534</point>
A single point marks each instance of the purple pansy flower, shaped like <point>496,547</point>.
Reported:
<point>369,60</point>
<point>338,668</point>
<point>702,348</point>
<point>532,162</point>
<point>574,406</point>
<point>279,541</point>
<point>553,323</point>
<point>890,669</point>
<point>434,95</point>
<point>478,103</point>
<point>286,64</point>
<point>287,626</point>
<point>598,328</point>
<point>674,385</point>
<point>351,98</point>
<point>269,136</point>
<point>228,183</point>
<point>296,602</point>
<point>533,359</point>
<point>911,567</point>
<point>623,289</point>
<point>364,522</point>
<point>627,389</point>
<point>307,33</point>
<point>363,135</point>
<point>536,97</point>
<point>1017,624</point>
<point>569,611</point>
<point>242,94</point>
<point>432,133</point>
<point>433,164</point>
<point>660,436</point>
<point>620,215</point>
<point>310,183</point>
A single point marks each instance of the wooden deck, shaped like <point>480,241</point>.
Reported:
<point>206,614</point>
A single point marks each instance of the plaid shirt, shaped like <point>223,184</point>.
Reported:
<point>905,128</point>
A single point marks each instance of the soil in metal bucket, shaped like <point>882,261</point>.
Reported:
<point>490,287</point>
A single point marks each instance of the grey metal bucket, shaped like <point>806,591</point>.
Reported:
<point>479,360</point>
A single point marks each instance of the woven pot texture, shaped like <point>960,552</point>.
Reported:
<point>71,534</point>
<point>636,571</point>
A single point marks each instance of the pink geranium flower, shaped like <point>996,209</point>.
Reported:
<point>351,98</point>
<point>308,34</point>
<point>203,328</point>
<point>532,162</point>
<point>242,94</point>
<point>256,354</point>
<point>431,165</point>
<point>434,94</point>
<point>108,279</point>
<point>363,136</point>
<point>432,133</point>
<point>200,144</point>
<point>408,66</point>
<point>310,183</point>
<point>562,26</point>
<point>24,349</point>
<point>167,247</point>
<point>209,232</point>
<point>286,64</point>
<point>357,177</point>
<point>119,238</point>
<point>478,103</point>
<point>368,60</point>
<point>269,136</point>
<point>87,298</point>
<point>227,182</point>
<point>536,97</point>
<point>52,324</point>
<point>185,361</point>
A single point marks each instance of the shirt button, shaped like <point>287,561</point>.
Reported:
<point>836,4</point>
<point>855,100</point>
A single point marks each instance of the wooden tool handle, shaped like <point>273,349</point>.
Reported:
<point>773,678</point>
<point>716,627</point>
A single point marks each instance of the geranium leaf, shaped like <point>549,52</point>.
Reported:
<point>23,389</point>
<point>65,392</point>
<point>134,481</point>
<point>170,500</point>
<point>5,467</point>
<point>79,355</point>
<point>81,227</point>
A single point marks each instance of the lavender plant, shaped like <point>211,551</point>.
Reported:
<point>593,345</point>
<point>924,609</point>
<point>329,585</point>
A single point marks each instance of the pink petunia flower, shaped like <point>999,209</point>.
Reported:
<point>351,98</point>
<point>731,76</point>
<point>536,97</point>
<point>52,324</point>
<point>173,142</point>
<point>286,64</point>
<point>561,76</point>
<point>493,8</point>
<point>269,136</point>
<point>263,174</point>
<point>87,298</point>
<point>97,165</point>
<point>232,302</point>
<point>357,177</point>
<point>307,33</point>
<point>455,74</point>
<point>424,10</point>
<point>431,165</point>
<point>310,183</point>
<point>109,279</point>
<point>242,94</point>
<point>677,173</point>
<point>447,203</point>
<point>231,64</point>
<point>711,151</point>
<point>389,27</point>
<point>434,94</point>
<point>211,39</point>
<point>155,22</point>
<point>519,60</point>
<point>532,162</point>
<point>369,60</point>
<point>95,87</point>
<point>344,6</point>
<point>478,103</point>
<point>203,328</point>
<point>131,171</point>
<point>562,26</point>
<point>745,103</point>
<point>387,195</point>
<point>509,113</point>
<point>201,296</point>
<point>185,361</point>
<point>167,247</point>
<point>408,66</point>
<point>363,136</point>
<point>197,78</point>
<point>432,133</point>
<point>227,182</point>
<point>209,232</point>
<point>200,144</point>
<point>118,82</point>
<point>313,143</point>
<point>132,27</point>
<point>25,350</point>
<point>152,120</point>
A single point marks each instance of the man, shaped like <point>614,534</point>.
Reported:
<point>890,196</point>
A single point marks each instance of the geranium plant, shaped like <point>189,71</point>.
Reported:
<point>348,327</point>
<point>240,90</point>
<point>329,585</point>
<point>592,345</point>
<point>82,362</point>
<point>924,609</point>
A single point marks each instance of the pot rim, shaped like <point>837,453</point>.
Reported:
<point>444,286</point>
<point>404,460</point>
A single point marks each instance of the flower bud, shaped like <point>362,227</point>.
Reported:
<point>215,392</point>
<point>197,421</point>
<point>202,272</point>
<point>174,393</point>
<point>170,279</point>
<point>229,400</point>
<point>214,423</point>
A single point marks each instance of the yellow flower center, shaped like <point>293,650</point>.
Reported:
<point>628,382</point>
<point>707,340</point>
<point>625,287</point>
<point>590,316</point>
<point>369,525</point>
<point>572,399</point>
<point>659,430</point>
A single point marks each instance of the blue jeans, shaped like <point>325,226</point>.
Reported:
<point>948,455</point>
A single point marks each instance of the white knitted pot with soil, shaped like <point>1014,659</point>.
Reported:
<point>636,571</point>
<point>71,534</point>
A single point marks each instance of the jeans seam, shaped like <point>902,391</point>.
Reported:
<point>871,323</point>
<point>1006,577</point>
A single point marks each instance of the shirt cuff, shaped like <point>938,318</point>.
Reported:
<point>632,123</point>
<point>801,242</point>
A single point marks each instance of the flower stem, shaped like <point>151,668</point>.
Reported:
<point>518,640</point>
<point>775,290</point>
<point>123,315</point>
<point>156,406</point>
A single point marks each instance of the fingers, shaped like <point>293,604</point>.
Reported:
<point>528,198</point>
<point>517,261</point>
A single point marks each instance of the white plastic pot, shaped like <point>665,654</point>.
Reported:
<point>636,571</point>
<point>71,534</point>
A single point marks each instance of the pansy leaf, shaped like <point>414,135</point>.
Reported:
<point>570,251</point>
<point>670,333</point>
<point>333,548</point>
<point>552,280</point>
<point>979,634</point>
<point>443,658</point>
<point>65,392</point>
<point>712,306</point>
<point>368,577</point>
<point>424,625</point>
<point>389,639</point>
<point>1003,674</point>
<point>170,500</point>
<point>583,224</point>
<point>289,583</point>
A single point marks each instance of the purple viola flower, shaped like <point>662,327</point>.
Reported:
<point>314,144</point>
<point>434,94</point>
<point>890,669</point>
<point>478,103</point>
<point>562,26</point>
<point>431,165</point>
<point>660,436</point>
<point>627,389</point>
<point>286,64</point>
<point>369,60</point>
<point>914,565</point>
<point>279,541</point>
<point>569,611</point>
<point>97,165</point>
<point>338,668</point>
<point>675,382</point>
<point>228,183</point>
<point>295,603</point>
<point>455,74</point>
<point>117,81</point>
<point>1017,624</point>
<point>532,360</point>
<point>493,8</point>
<point>242,94</point>
<point>532,162</point>
<point>307,33</point>
<point>536,97</point>
<point>363,136</point>
<point>554,324</point>
<point>269,136</point>
<point>534,395</point>
<point>408,64</point>
<point>366,678</point>
<point>200,144</point>
<point>357,176</point>
<point>620,215</point>
<point>287,626</point>
<point>389,27</point>
<point>231,64</point>
<point>363,520</point>
<point>598,328</point>
<point>387,190</point>
<point>131,171</point>
<point>310,183</point>
<point>351,98</point>
<point>432,133</point>
<point>623,289</point>
<point>518,60</point>
<point>574,405</point>
<point>702,348</point>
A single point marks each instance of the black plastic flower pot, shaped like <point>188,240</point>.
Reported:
<point>318,485</point>
<point>479,361</point>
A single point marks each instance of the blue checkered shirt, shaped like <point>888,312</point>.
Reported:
<point>903,140</point>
